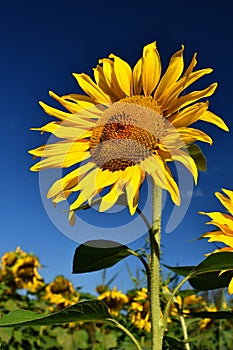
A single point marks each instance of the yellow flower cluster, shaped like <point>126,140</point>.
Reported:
<point>20,270</point>
<point>224,224</point>
<point>140,310</point>
<point>115,300</point>
<point>61,292</point>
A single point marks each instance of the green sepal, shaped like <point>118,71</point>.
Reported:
<point>198,157</point>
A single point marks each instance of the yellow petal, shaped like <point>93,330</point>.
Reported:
<point>66,132</point>
<point>151,68</point>
<point>172,74</point>
<point>123,74</point>
<point>70,180</point>
<point>106,178</point>
<point>111,197</point>
<point>227,202</point>
<point>110,77</point>
<point>54,112</point>
<point>188,115</point>
<point>137,78</point>
<point>132,187</point>
<point>101,82</point>
<point>181,85</point>
<point>190,98</point>
<point>210,117</point>
<point>219,236</point>
<point>191,66</point>
<point>60,155</point>
<point>187,161</point>
<point>190,135</point>
<point>82,101</point>
<point>70,106</point>
<point>162,176</point>
<point>230,287</point>
<point>91,89</point>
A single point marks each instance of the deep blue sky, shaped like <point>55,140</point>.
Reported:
<point>42,43</point>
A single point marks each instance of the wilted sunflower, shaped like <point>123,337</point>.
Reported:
<point>224,223</point>
<point>129,125</point>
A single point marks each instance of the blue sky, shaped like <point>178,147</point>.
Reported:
<point>42,44</point>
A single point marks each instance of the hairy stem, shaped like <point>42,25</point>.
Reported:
<point>154,280</point>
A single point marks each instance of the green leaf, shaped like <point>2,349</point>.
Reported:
<point>198,157</point>
<point>96,255</point>
<point>92,310</point>
<point>206,275</point>
<point>218,315</point>
<point>6,334</point>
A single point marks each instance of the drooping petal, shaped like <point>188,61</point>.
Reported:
<point>134,182</point>
<point>190,135</point>
<point>210,117</point>
<point>162,176</point>
<point>151,68</point>
<point>187,161</point>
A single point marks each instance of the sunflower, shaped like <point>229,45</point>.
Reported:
<point>139,310</point>
<point>129,125</point>
<point>114,299</point>
<point>61,292</point>
<point>224,224</point>
<point>20,269</point>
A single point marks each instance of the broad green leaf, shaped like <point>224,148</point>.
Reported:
<point>198,157</point>
<point>92,310</point>
<point>206,275</point>
<point>97,255</point>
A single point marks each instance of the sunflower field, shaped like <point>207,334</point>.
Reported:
<point>22,287</point>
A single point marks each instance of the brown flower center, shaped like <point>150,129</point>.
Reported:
<point>126,133</point>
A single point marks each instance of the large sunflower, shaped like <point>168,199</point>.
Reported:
<point>130,123</point>
<point>224,224</point>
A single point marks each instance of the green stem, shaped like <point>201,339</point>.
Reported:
<point>125,330</point>
<point>154,280</point>
<point>167,308</point>
<point>185,332</point>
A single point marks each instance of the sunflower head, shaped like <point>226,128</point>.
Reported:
<point>114,299</point>
<point>61,292</point>
<point>130,125</point>
<point>20,269</point>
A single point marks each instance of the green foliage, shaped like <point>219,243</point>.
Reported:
<point>198,157</point>
<point>101,255</point>
<point>207,275</point>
